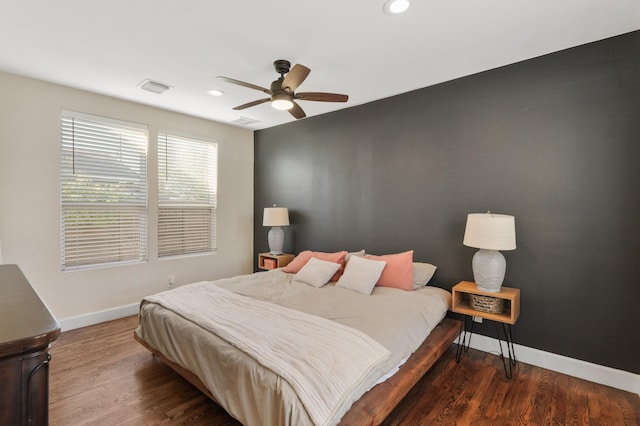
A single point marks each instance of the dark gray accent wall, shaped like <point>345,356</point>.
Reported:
<point>554,141</point>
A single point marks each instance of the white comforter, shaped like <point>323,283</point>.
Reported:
<point>324,361</point>
<point>256,395</point>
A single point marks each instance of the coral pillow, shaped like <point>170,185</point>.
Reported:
<point>302,258</point>
<point>399,270</point>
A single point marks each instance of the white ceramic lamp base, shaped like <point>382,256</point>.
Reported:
<point>489,267</point>
<point>276,240</point>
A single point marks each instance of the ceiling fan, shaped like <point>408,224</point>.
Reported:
<point>282,92</point>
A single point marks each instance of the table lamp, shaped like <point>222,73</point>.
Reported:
<point>490,233</point>
<point>276,217</point>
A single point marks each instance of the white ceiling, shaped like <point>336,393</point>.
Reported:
<point>351,46</point>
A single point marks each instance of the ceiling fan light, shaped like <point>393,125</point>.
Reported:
<point>395,7</point>
<point>281,101</point>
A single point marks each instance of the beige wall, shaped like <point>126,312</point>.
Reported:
<point>30,194</point>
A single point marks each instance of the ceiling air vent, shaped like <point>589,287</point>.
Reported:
<point>244,121</point>
<point>154,86</point>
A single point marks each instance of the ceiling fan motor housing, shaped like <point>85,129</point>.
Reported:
<point>276,85</point>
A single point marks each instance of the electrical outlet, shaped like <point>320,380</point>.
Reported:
<point>172,280</point>
<point>477,319</point>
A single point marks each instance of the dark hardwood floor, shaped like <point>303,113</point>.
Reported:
<point>100,376</point>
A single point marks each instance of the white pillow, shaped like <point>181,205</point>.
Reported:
<point>361,274</point>
<point>316,272</point>
<point>422,273</point>
<point>360,253</point>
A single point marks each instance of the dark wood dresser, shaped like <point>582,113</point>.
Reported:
<point>27,329</point>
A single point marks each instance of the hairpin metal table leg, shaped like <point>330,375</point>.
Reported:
<point>464,338</point>
<point>508,339</point>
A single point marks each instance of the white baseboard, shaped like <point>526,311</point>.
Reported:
<point>92,318</point>
<point>607,376</point>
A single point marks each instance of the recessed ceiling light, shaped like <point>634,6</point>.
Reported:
<point>154,86</point>
<point>215,92</point>
<point>395,7</point>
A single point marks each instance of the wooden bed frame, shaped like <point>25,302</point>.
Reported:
<point>379,401</point>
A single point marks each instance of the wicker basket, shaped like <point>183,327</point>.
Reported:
<point>488,304</point>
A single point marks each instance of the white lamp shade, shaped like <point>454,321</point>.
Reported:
<point>490,231</point>
<point>275,216</point>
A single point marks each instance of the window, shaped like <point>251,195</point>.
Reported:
<point>187,194</point>
<point>104,191</point>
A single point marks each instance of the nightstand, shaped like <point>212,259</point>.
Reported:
<point>502,308</point>
<point>268,261</point>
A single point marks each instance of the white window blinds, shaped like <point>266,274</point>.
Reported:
<point>104,191</point>
<point>187,194</point>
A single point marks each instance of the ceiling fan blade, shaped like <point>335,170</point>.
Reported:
<point>321,97</point>
<point>245,84</point>
<point>295,77</point>
<point>297,112</point>
<point>254,103</point>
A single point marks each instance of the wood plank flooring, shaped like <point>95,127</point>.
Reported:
<point>100,376</point>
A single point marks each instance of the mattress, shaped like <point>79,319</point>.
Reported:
<point>399,320</point>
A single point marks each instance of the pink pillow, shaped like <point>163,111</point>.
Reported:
<point>303,257</point>
<point>399,270</point>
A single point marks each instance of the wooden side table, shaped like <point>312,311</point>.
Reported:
<point>268,261</point>
<point>462,303</point>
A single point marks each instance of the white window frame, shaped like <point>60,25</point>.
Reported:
<point>104,191</point>
<point>187,195</point>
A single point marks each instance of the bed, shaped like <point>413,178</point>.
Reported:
<point>353,357</point>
